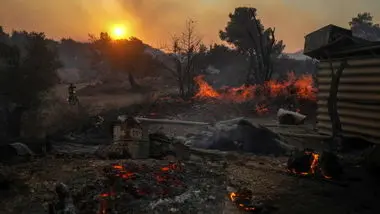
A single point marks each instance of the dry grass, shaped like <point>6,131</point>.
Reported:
<point>56,115</point>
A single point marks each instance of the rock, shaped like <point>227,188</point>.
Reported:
<point>22,149</point>
<point>245,136</point>
<point>15,152</point>
<point>290,117</point>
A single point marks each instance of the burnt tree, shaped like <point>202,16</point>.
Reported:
<point>186,53</point>
<point>332,103</point>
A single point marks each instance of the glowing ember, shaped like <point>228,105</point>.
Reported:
<point>171,166</point>
<point>242,200</point>
<point>131,174</point>
<point>261,109</point>
<point>104,197</point>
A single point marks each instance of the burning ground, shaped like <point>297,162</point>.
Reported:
<point>209,182</point>
<point>203,184</point>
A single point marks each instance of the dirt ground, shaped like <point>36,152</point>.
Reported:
<point>264,176</point>
<point>32,186</point>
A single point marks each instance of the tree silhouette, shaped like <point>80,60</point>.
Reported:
<point>187,51</point>
<point>27,72</point>
<point>249,36</point>
<point>120,56</point>
<point>362,26</point>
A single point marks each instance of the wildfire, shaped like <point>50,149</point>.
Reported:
<point>301,86</point>
<point>205,90</point>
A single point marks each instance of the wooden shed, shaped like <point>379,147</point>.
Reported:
<point>358,98</point>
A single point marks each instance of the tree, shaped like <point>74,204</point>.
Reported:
<point>332,103</point>
<point>246,32</point>
<point>120,56</point>
<point>362,26</point>
<point>25,75</point>
<point>222,56</point>
<point>187,51</point>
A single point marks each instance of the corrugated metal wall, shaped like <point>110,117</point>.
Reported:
<point>358,98</point>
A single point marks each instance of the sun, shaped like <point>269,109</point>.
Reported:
<point>119,32</point>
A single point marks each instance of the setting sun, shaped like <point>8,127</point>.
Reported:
<point>119,32</point>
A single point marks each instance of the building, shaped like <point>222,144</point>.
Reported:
<point>359,89</point>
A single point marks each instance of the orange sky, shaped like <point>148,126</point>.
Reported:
<point>154,21</point>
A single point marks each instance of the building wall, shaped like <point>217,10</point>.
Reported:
<point>358,98</point>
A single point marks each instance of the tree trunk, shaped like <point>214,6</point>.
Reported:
<point>132,80</point>
<point>333,106</point>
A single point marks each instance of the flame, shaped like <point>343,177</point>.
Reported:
<point>314,166</point>
<point>314,162</point>
<point>234,197</point>
<point>205,90</point>
<point>303,89</point>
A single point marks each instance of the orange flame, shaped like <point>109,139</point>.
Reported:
<point>303,89</point>
<point>234,197</point>
<point>314,166</point>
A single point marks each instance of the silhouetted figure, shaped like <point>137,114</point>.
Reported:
<point>73,99</point>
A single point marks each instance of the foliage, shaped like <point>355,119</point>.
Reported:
<point>246,32</point>
<point>121,56</point>
<point>222,56</point>
<point>24,78</point>
<point>28,64</point>
<point>362,26</point>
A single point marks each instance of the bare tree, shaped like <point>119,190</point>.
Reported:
<point>184,52</point>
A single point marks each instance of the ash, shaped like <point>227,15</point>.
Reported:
<point>146,188</point>
<point>239,135</point>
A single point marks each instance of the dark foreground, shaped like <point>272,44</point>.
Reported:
<point>200,186</point>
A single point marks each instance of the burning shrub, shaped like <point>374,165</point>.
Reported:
<point>300,88</point>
